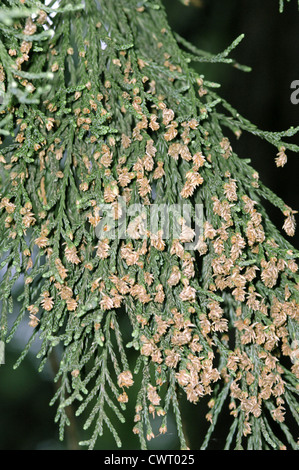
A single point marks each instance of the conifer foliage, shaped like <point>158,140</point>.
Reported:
<point>101,109</point>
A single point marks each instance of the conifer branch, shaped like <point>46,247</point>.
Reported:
<point>100,113</point>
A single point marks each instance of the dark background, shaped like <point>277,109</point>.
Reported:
<point>270,47</point>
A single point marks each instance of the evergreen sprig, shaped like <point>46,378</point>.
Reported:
<point>124,120</point>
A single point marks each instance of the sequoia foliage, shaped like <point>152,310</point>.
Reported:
<point>101,110</point>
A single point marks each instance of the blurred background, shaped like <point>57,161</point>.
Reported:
<point>270,48</point>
